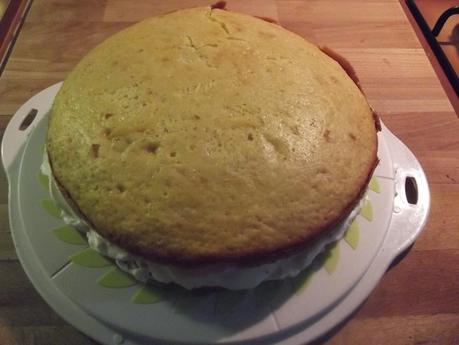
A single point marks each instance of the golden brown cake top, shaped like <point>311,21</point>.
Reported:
<point>208,136</point>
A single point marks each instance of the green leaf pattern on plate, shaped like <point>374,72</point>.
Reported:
<point>89,258</point>
<point>43,179</point>
<point>69,235</point>
<point>367,210</point>
<point>115,278</point>
<point>332,258</point>
<point>147,295</point>
<point>374,185</point>
<point>352,234</point>
<point>226,300</point>
<point>51,207</point>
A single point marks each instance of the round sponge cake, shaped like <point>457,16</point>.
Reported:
<point>209,136</point>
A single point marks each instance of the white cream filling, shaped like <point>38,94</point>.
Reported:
<point>228,276</point>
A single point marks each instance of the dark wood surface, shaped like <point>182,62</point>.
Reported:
<point>449,35</point>
<point>448,39</point>
<point>417,301</point>
<point>11,14</point>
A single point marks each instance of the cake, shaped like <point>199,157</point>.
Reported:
<point>205,138</point>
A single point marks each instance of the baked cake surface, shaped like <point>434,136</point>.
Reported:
<point>210,136</point>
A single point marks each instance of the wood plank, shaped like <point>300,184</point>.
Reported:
<point>67,11</point>
<point>425,131</point>
<point>387,71</point>
<point>121,10</point>
<point>425,282</point>
<point>64,42</point>
<point>6,333</point>
<point>417,300</point>
<point>50,336</point>
<point>431,11</point>
<point>441,166</point>
<point>4,119</point>
<point>442,232</point>
<point>391,64</point>
<point>435,64</point>
<point>20,304</point>
<point>4,226</point>
<point>417,329</point>
<point>10,22</point>
<point>361,35</point>
<point>6,243</point>
<point>70,42</point>
<point>321,22</point>
<point>325,12</point>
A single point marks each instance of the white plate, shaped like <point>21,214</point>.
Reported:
<point>294,310</point>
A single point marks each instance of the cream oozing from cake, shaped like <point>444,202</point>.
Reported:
<point>230,276</point>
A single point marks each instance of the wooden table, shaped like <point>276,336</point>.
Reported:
<point>417,301</point>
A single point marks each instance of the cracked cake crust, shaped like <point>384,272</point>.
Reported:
<point>209,136</point>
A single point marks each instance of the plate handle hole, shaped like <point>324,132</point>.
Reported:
<point>28,119</point>
<point>411,190</point>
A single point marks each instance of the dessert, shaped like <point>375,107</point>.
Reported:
<point>205,141</point>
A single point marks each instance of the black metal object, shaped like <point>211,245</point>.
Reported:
<point>443,18</point>
<point>433,43</point>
